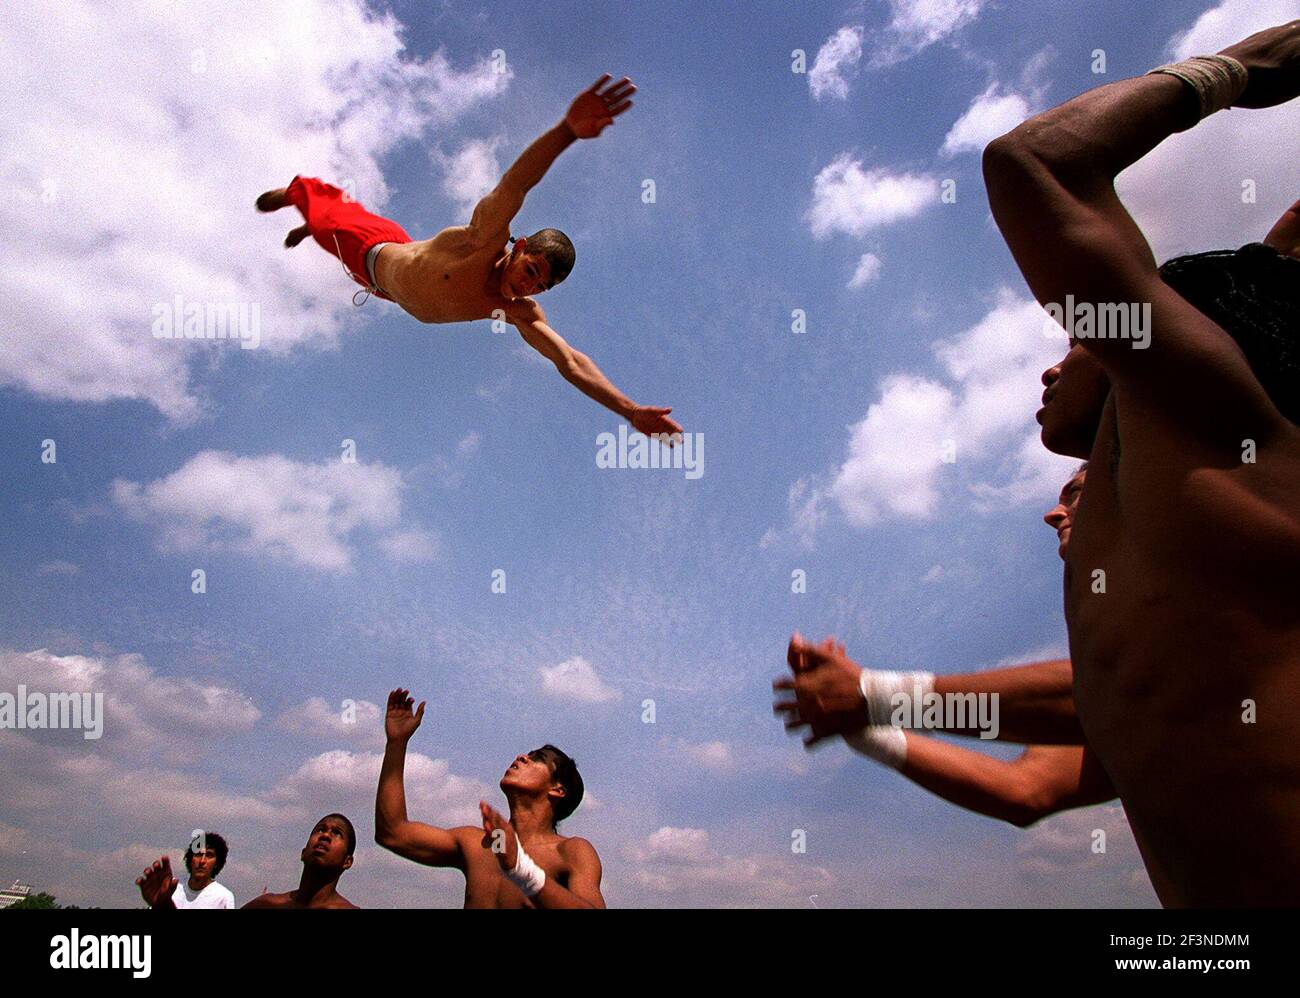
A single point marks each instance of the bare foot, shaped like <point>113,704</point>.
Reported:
<point>272,200</point>
<point>296,236</point>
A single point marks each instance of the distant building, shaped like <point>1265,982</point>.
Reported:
<point>18,892</point>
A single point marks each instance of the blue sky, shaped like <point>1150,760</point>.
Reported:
<point>329,581</point>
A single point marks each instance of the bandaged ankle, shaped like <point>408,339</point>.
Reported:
<point>1218,80</point>
<point>882,742</point>
<point>879,688</point>
<point>527,875</point>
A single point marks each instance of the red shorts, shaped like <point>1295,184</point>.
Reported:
<point>342,225</point>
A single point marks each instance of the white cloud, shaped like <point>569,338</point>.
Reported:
<point>304,513</point>
<point>470,172</point>
<point>1230,22</point>
<point>917,24</point>
<point>681,866</point>
<point>847,198</point>
<point>142,708</point>
<point>982,411</point>
<point>575,679</point>
<point>836,60</point>
<point>1187,193</point>
<point>135,184</point>
<point>991,114</point>
<point>410,545</point>
<point>361,721</point>
<point>868,270</point>
<point>716,757</point>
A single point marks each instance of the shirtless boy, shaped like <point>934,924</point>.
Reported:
<point>520,862</point>
<point>469,272</point>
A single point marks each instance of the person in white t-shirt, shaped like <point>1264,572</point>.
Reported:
<point>204,858</point>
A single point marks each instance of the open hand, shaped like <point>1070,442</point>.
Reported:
<point>401,720</point>
<point>156,883</point>
<point>1272,57</point>
<point>499,836</point>
<point>593,109</point>
<point>651,420</point>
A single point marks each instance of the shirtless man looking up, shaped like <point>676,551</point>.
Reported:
<point>522,862</point>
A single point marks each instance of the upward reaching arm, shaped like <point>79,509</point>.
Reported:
<point>581,371</point>
<point>591,111</point>
<point>1050,185</point>
<point>412,839</point>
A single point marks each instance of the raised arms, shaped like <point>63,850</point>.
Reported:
<point>588,115</point>
<point>411,839</point>
<point>1051,187</point>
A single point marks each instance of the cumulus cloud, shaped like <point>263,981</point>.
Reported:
<point>921,432</point>
<point>355,720</point>
<point>716,757</point>
<point>575,679</point>
<point>1224,182</point>
<point>682,867</point>
<point>836,61</point>
<point>868,270</point>
<point>915,25</point>
<point>303,513</point>
<point>134,183</point>
<point>991,114</point>
<point>470,172</point>
<point>849,199</point>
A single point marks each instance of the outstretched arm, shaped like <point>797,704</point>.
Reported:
<point>588,115</point>
<point>581,371</point>
<point>412,839</point>
<point>1035,703</point>
<point>1044,780</point>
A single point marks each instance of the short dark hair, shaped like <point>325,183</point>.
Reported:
<point>209,840</point>
<point>555,246</point>
<point>352,832</point>
<point>1254,294</point>
<point>565,772</point>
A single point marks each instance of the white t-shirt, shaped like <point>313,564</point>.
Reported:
<point>212,896</point>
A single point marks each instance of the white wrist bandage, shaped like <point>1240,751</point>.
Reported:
<point>880,687</point>
<point>527,875</point>
<point>882,742</point>
<point>1217,79</point>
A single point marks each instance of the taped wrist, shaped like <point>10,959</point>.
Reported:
<point>879,687</point>
<point>527,875</point>
<point>882,742</point>
<point>1217,80</point>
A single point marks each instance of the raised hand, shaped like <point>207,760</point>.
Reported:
<point>827,697</point>
<point>156,883</point>
<point>1272,58</point>
<point>499,836</point>
<point>401,720</point>
<point>651,419</point>
<point>593,109</point>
